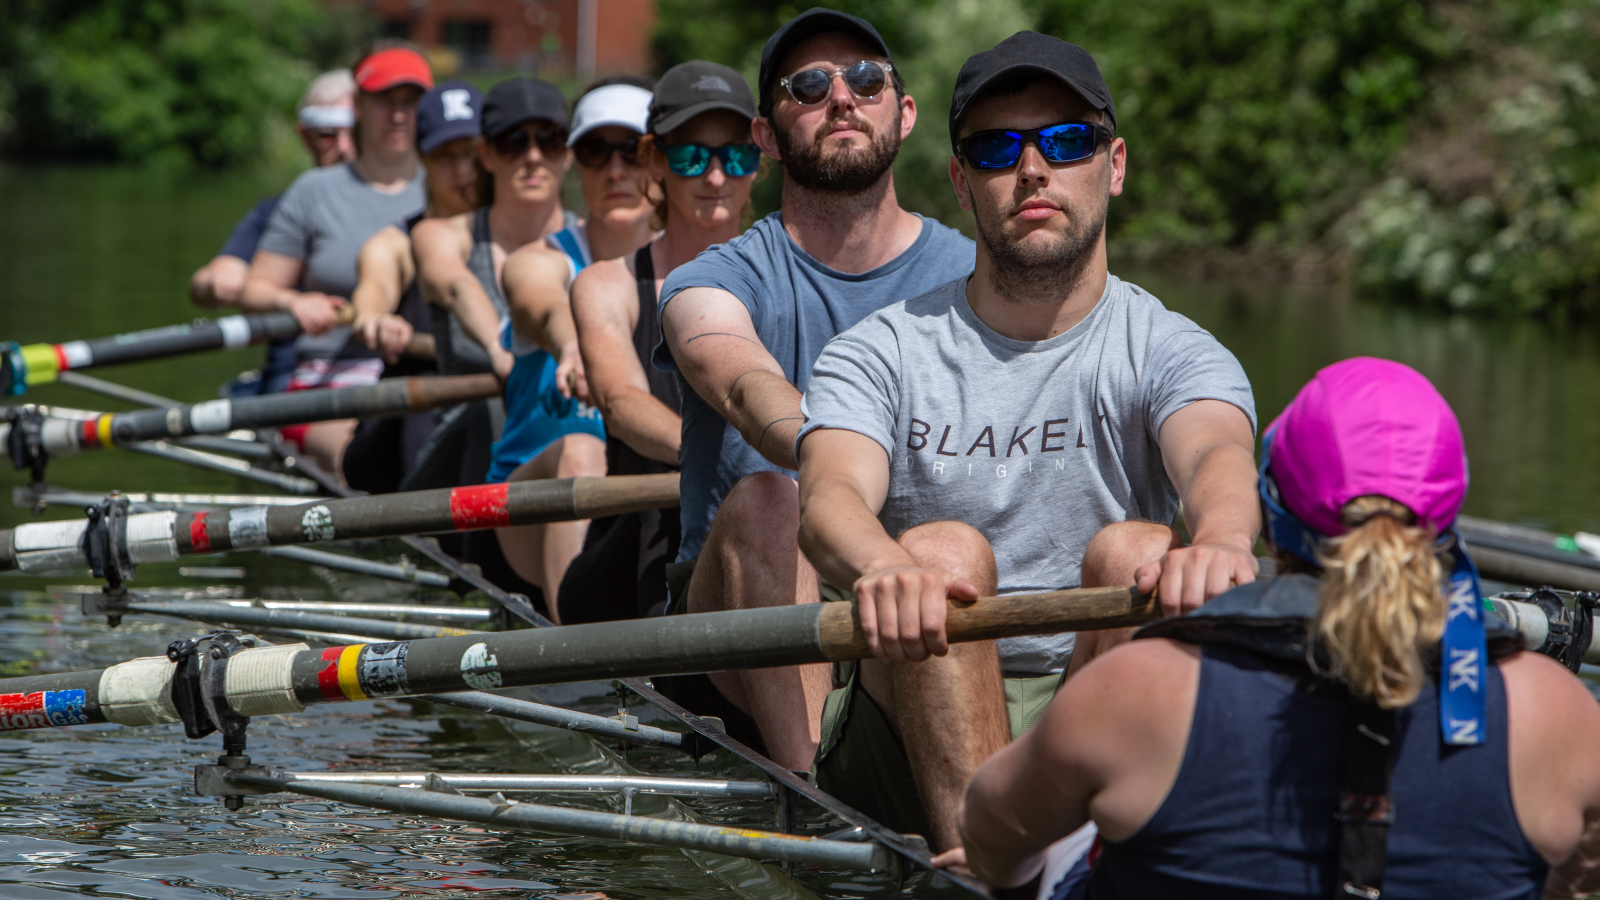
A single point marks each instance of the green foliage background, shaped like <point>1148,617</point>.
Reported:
<point>1434,150</point>
<point>166,82</point>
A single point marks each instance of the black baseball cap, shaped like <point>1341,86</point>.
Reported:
<point>691,88</point>
<point>1031,50</point>
<point>448,112</point>
<point>813,21</point>
<point>512,102</point>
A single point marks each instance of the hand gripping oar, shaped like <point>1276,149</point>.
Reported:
<point>39,437</point>
<point>111,542</point>
<point>287,679</point>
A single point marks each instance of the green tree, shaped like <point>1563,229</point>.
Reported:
<point>156,81</point>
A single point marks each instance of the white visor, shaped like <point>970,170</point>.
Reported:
<point>327,116</point>
<point>614,104</point>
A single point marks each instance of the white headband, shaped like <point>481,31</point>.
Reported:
<point>327,116</point>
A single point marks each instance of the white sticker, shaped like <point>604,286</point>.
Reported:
<point>175,420</point>
<point>47,535</point>
<point>478,668</point>
<point>317,523</point>
<point>235,331</point>
<point>211,417</point>
<point>247,527</point>
<point>77,354</point>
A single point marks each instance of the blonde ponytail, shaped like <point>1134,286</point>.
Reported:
<point>1380,601</point>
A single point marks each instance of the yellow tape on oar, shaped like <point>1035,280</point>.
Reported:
<point>350,674</point>
<point>42,363</point>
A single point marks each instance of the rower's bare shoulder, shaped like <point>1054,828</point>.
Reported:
<point>454,232</point>
<point>537,263</point>
<point>1142,688</point>
<point>1545,699</point>
<point>607,280</point>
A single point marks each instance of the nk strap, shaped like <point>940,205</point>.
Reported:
<point>1463,655</point>
<point>1365,807</point>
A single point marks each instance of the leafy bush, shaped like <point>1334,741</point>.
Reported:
<point>156,81</point>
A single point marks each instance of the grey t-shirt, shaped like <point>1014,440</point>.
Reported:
<point>797,305</point>
<point>323,219</point>
<point>1036,445</point>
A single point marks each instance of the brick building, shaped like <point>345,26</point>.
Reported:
<point>554,38</point>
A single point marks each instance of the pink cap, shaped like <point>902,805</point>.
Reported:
<point>1369,426</point>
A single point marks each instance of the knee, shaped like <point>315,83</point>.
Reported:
<point>1122,547</point>
<point>955,547</point>
<point>762,510</point>
<point>582,456</point>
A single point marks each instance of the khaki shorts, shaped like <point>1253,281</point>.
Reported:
<point>862,762</point>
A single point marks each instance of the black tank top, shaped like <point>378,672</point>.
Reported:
<point>457,353</point>
<point>620,458</point>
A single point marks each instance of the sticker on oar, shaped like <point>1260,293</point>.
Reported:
<point>317,523</point>
<point>43,709</point>
<point>480,668</point>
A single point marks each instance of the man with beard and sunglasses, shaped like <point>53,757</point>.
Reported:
<point>1029,426</point>
<point>743,322</point>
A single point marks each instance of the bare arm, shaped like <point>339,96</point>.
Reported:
<point>718,352</point>
<point>219,282</point>
<point>384,269</point>
<point>1209,453</point>
<point>442,247</point>
<point>270,286</point>
<point>535,280</point>
<point>1109,746</point>
<point>605,309</point>
<point>844,478</point>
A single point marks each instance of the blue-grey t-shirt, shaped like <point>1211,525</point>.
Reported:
<point>797,305</point>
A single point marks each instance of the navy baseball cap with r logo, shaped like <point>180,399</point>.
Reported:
<point>450,111</point>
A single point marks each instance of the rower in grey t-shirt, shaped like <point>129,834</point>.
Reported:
<point>323,219</point>
<point>797,305</point>
<point>1036,445</point>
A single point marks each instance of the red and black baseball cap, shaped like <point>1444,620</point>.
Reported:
<point>1025,50</point>
<point>391,68</point>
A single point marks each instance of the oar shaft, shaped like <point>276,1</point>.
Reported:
<point>389,397</point>
<point>165,536</point>
<point>288,679</point>
<point>41,363</point>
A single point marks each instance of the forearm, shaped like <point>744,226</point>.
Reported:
<point>765,408</point>
<point>1001,849</point>
<point>263,295</point>
<point>467,302</point>
<point>842,537</point>
<point>1215,509</point>
<point>643,423</point>
<point>375,297</point>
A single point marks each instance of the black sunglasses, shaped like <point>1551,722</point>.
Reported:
<point>594,151</point>
<point>865,79</point>
<point>552,139</point>
<point>1063,143</point>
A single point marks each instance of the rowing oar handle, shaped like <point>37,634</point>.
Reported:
<point>988,618</point>
<point>425,393</point>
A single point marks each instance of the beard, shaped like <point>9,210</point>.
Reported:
<point>1044,271</point>
<point>850,170</point>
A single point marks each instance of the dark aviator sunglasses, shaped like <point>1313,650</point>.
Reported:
<point>865,79</point>
<point>552,139</point>
<point>1064,143</point>
<point>594,151</point>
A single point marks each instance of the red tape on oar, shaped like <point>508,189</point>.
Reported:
<point>479,506</point>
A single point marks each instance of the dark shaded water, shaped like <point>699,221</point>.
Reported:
<point>102,811</point>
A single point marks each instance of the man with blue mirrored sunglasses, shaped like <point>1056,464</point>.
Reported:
<point>1030,425</point>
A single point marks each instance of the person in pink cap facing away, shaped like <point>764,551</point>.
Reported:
<point>1293,737</point>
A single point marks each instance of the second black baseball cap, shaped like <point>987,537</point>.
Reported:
<point>691,88</point>
<point>512,102</point>
<point>813,21</point>
<point>1031,50</point>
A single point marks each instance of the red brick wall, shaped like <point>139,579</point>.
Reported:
<point>529,34</point>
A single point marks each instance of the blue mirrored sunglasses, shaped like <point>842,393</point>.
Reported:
<point>691,160</point>
<point>1000,149</point>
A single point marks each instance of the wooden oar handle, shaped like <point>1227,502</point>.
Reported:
<point>345,314</point>
<point>421,347</point>
<point>425,392</point>
<point>989,618</point>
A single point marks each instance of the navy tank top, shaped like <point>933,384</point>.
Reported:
<point>1251,816</point>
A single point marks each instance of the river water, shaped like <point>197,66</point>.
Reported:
<point>107,812</point>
